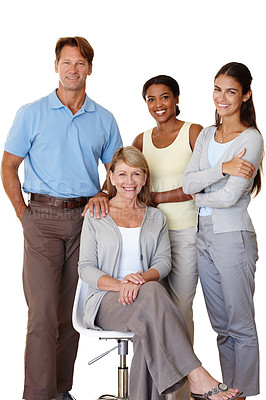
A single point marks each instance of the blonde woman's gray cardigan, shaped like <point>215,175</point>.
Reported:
<point>100,251</point>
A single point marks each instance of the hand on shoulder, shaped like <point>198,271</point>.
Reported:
<point>98,205</point>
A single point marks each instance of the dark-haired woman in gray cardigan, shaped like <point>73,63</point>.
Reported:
<point>223,172</point>
<point>122,258</point>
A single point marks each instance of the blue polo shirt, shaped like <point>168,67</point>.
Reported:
<point>61,150</point>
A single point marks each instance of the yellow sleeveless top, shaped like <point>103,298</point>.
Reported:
<point>167,167</point>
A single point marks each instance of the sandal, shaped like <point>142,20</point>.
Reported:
<point>221,387</point>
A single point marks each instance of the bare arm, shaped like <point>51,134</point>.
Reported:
<point>171,196</point>
<point>194,132</point>
<point>138,142</point>
<point>11,182</point>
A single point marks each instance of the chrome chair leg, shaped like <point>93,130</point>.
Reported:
<point>123,370</point>
<point>122,347</point>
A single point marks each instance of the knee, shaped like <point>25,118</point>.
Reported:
<point>42,316</point>
<point>152,286</point>
<point>153,290</point>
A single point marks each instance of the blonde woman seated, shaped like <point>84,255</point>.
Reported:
<point>122,258</point>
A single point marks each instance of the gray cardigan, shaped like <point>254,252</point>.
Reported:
<point>100,251</point>
<point>228,196</point>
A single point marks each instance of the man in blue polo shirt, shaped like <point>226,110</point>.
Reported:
<point>60,138</point>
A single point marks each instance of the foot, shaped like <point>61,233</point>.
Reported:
<point>200,382</point>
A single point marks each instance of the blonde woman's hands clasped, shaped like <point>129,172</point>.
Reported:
<point>130,286</point>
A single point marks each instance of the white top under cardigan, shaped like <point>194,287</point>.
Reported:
<point>100,251</point>
<point>227,195</point>
<point>130,256</point>
<point>215,152</point>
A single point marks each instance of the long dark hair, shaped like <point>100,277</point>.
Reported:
<point>166,80</point>
<point>242,75</point>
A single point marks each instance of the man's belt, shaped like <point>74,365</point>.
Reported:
<point>64,203</point>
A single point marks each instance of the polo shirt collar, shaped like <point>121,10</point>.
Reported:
<point>88,104</point>
<point>55,103</point>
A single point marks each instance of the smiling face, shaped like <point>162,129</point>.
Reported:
<point>161,102</point>
<point>73,69</point>
<point>227,96</point>
<point>127,180</point>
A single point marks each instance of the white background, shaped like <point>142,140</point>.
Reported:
<point>133,41</point>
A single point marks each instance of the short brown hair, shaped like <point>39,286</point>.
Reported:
<point>77,41</point>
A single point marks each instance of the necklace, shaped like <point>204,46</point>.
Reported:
<point>223,138</point>
<point>237,131</point>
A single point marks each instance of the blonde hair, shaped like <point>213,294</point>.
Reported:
<point>134,158</point>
